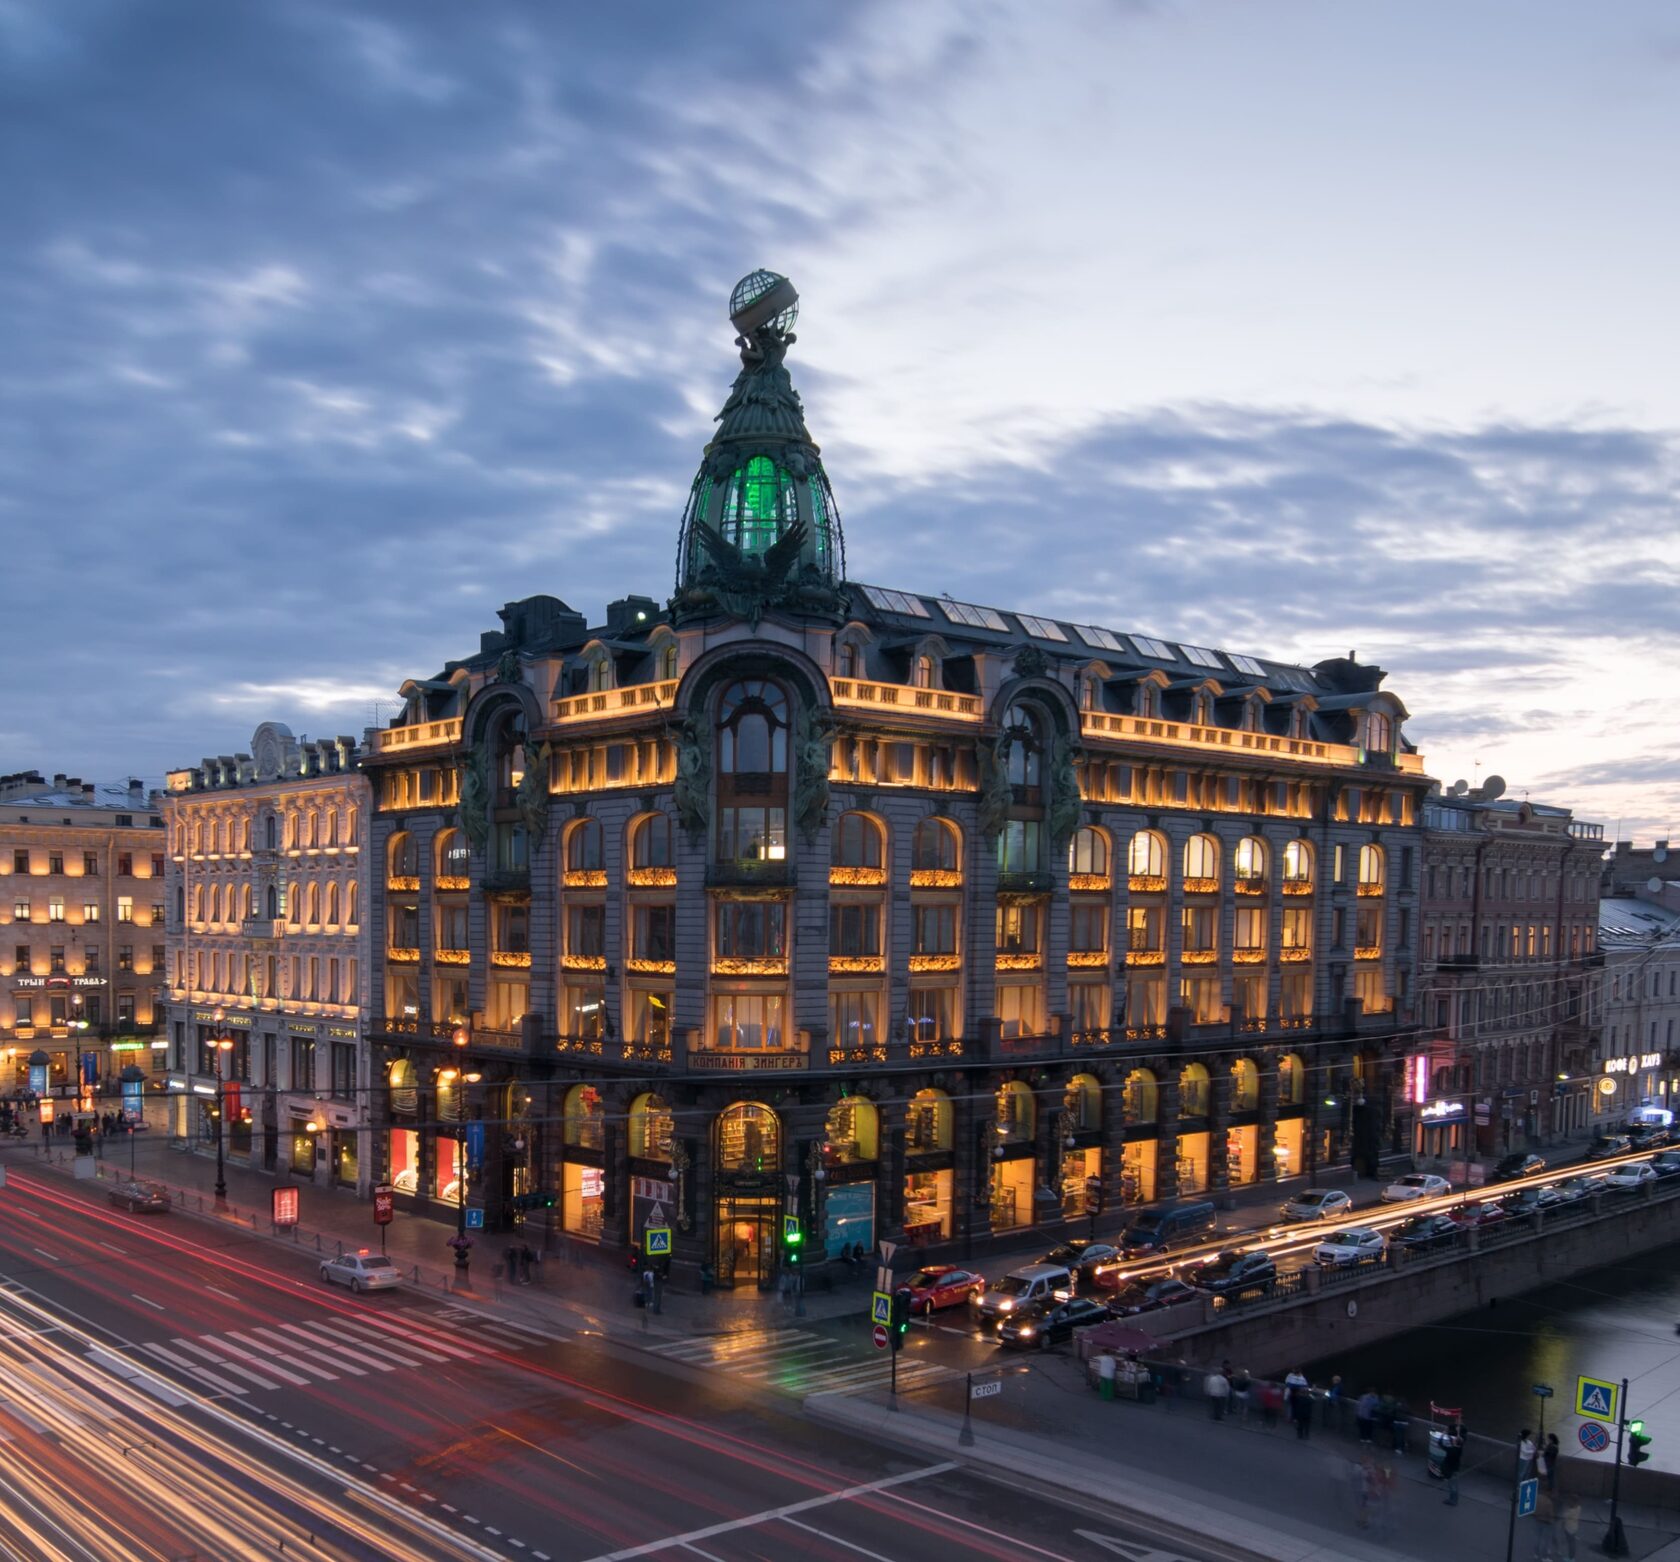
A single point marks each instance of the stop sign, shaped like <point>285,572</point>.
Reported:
<point>880,1336</point>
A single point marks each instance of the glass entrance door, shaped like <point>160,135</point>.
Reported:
<point>746,1242</point>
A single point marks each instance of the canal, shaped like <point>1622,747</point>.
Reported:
<point>1619,1322</point>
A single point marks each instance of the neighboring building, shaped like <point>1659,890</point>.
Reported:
<point>265,948</point>
<point>1649,873</point>
<point>1640,1058</point>
<point>81,930</point>
<point>1510,961</point>
<point>909,915</point>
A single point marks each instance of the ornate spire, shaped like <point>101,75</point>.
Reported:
<point>761,530</point>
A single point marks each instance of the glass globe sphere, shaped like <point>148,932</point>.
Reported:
<point>753,286</point>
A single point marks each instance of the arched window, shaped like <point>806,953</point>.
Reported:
<point>1297,867</point>
<point>1083,1101</point>
<point>1245,1086</point>
<point>508,746</point>
<point>584,847</point>
<point>271,902</point>
<point>925,676</point>
<point>332,905</point>
<point>668,663</point>
<point>1379,733</point>
<point>403,856</point>
<point>935,847</point>
<point>453,855</point>
<point>271,832</point>
<point>650,842</point>
<point>1146,860</point>
<point>350,917</point>
<point>600,673</point>
<point>846,661</point>
<point>650,1129</point>
<point>857,842</point>
<point>583,1122</point>
<point>1024,761</point>
<point>1201,863</point>
<point>1249,864</point>
<point>1017,1113</point>
<point>749,1139</point>
<point>753,735</point>
<point>1292,1080</point>
<point>1372,869</point>
<point>1140,1100</point>
<point>1201,708</point>
<point>852,1133</point>
<point>1090,692</point>
<point>928,1123</point>
<point>1193,1091</point>
<point>1088,853</point>
<point>405,1094</point>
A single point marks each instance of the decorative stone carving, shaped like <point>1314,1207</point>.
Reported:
<point>532,797</point>
<point>997,795</point>
<point>813,738</point>
<point>1064,803</point>
<point>473,810</point>
<point>692,792</point>
<point>1031,662</point>
<point>508,669</point>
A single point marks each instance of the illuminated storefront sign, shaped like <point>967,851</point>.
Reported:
<point>1442,1112</point>
<point>1417,1078</point>
<point>1632,1065</point>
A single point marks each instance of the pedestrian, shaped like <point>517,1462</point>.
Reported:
<point>526,1259</point>
<point>1300,1409</point>
<point>1271,1401</point>
<point>1362,1477</point>
<point>1569,1525</point>
<point>1365,1415</point>
<point>1551,1454</point>
<point>1241,1386</point>
<point>1452,1456</point>
<point>1217,1388</point>
<point>1383,1503</point>
<point>1525,1455</point>
<point>1333,1404</point>
<point>1545,1519</point>
<point>1402,1424</point>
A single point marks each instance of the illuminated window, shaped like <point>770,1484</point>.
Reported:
<point>1201,861</point>
<point>1297,863</point>
<point>650,845</point>
<point>934,849</point>
<point>1146,857</point>
<point>585,848</point>
<point>857,842</point>
<point>1249,861</point>
<point>1088,852</point>
<point>1372,865</point>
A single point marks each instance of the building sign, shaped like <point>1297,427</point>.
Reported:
<point>30,981</point>
<point>475,1146</point>
<point>1632,1065</point>
<point>384,1204</point>
<point>344,1032</point>
<point>1443,1112</point>
<point>285,1207</point>
<point>38,1079</point>
<point>134,1107</point>
<point>208,1017</point>
<point>1417,1079</point>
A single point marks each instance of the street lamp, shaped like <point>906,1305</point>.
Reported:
<point>223,1046</point>
<point>452,1077</point>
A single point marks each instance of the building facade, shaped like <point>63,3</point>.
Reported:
<point>81,932</point>
<point>1640,1060</point>
<point>915,918</point>
<point>265,949</point>
<point>1510,952</point>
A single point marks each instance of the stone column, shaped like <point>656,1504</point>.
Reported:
<point>1166,1147</point>
<point>1267,1170</point>
<point>889,1172</point>
<point>1219,1115</point>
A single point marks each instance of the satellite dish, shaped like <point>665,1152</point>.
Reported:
<point>1654,885</point>
<point>1659,852</point>
<point>1459,788</point>
<point>1493,787</point>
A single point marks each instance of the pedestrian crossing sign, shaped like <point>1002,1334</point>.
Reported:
<point>1596,1398</point>
<point>880,1308</point>
<point>658,1243</point>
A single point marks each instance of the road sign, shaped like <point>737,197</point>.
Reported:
<point>284,1206</point>
<point>1542,1390</point>
<point>880,1336</point>
<point>986,1390</point>
<point>880,1307</point>
<point>1528,1497</point>
<point>790,1229</point>
<point>656,1241</point>
<point>1596,1398</point>
<point>1593,1437</point>
<point>887,1250</point>
<point>475,1220</point>
<point>384,1204</point>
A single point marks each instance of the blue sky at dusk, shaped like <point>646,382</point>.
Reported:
<point>1286,327</point>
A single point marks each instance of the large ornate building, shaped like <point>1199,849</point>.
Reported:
<point>81,931</point>
<point>267,877</point>
<point>920,919</point>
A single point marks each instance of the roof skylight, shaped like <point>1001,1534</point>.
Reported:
<point>1041,628</point>
<point>974,617</point>
<point>1200,655</point>
<point>897,602</point>
<point>1098,639</point>
<point>1157,649</point>
<point>1246,664</point>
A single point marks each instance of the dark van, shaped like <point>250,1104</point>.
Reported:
<point>1166,1226</point>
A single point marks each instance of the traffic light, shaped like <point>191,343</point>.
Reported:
<point>1638,1439</point>
<point>900,1323</point>
<point>793,1240</point>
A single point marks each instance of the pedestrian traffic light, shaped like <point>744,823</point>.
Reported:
<point>1638,1440</point>
<point>793,1240</point>
<point>899,1325</point>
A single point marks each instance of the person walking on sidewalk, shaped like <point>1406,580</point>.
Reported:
<point>1241,1386</point>
<point>1549,1456</point>
<point>1301,1409</point>
<point>1452,1457</point>
<point>1365,1415</point>
<point>1217,1387</point>
<point>1569,1526</point>
<point>1545,1521</point>
<point>1525,1455</point>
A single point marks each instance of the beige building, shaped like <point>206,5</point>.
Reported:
<point>81,930</point>
<point>266,889</point>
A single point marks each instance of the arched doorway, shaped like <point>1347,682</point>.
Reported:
<point>1081,1147</point>
<point>1014,1155</point>
<point>747,1163</point>
<point>583,1132</point>
<point>1195,1091</point>
<point>1289,1136</point>
<point>1242,1133</point>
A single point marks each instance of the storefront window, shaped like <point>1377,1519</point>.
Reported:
<point>1140,1100</point>
<point>1017,1115</point>
<point>1083,1101</point>
<point>584,1126</point>
<point>852,1133</point>
<point>1242,1155</point>
<point>1291,1080</point>
<point>748,1139</point>
<point>928,1123</point>
<point>927,1206</point>
<point>583,1194</point>
<point>1193,1091</point>
<point>1245,1086</point>
<point>650,1129</point>
<point>449,1175</point>
<point>1012,1193</point>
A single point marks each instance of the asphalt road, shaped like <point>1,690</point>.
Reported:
<point>177,1390</point>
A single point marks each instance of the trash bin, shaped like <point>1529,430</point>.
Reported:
<point>1105,1375</point>
<point>1437,1452</point>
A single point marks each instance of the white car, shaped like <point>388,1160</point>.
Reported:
<point>1415,1185</point>
<point>1356,1245</point>
<point>1629,1177</point>
<point>362,1271</point>
<point>1318,1204</point>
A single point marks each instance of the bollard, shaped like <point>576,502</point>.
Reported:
<point>341,1249</point>
<point>317,1241</point>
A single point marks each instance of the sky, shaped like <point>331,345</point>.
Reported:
<point>1288,327</point>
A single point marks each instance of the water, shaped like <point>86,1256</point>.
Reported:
<point>1617,1322</point>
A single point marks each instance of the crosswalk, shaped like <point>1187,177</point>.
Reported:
<point>801,1362</point>
<point>332,1346</point>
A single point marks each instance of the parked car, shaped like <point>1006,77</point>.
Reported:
<point>1488,1212</point>
<point>1605,1146</point>
<point>1355,1245</point>
<point>1415,1185</point>
<point>1020,1290</point>
<point>362,1271</point>
<point>941,1286</point>
<point>1666,1163</point>
<point>1318,1204</point>
<point>140,1197</point>
<point>1572,1189</point>
<point>1232,1273</point>
<point>1629,1177</point>
<point>1650,1136</point>
<point>1426,1231</point>
<point>1044,1326</point>
<point>1144,1295</point>
<point>1531,1201</point>
<point>1087,1260</point>
<point>1165,1226</point>
<point>1523,1164</point>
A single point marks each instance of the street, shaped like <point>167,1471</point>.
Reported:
<point>201,1392</point>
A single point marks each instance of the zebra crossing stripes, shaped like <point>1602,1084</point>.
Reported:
<point>800,1362</point>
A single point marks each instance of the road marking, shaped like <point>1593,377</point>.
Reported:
<point>269,1350</point>
<point>163,1353</point>
<point>224,1366</point>
<point>291,1344</point>
<point>220,1292</point>
<point>850,1545</point>
<point>45,1254</point>
<point>34,1423</point>
<point>161,1390</point>
<point>336,1350</point>
<point>354,1346</point>
<point>370,1334</point>
<point>1128,1548</point>
<point>148,1301</point>
<point>217,1381</point>
<point>769,1515</point>
<point>244,1354</point>
<point>112,1247</point>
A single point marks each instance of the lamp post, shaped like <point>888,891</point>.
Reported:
<point>223,1046</point>
<point>456,1078</point>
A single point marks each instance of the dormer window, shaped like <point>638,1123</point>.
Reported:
<point>1148,701</point>
<point>1201,708</point>
<point>846,660</point>
<point>668,663</point>
<point>1379,733</point>
<point>1298,722</point>
<point>924,673</point>
<point>600,675</point>
<point>1251,714</point>
<point>1090,693</point>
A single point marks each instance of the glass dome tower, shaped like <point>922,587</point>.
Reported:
<point>761,529</point>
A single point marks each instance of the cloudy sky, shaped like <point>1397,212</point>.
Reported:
<point>1285,326</point>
